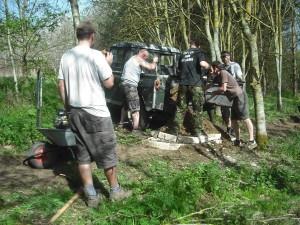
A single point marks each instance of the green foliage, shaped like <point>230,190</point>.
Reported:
<point>290,104</point>
<point>18,117</point>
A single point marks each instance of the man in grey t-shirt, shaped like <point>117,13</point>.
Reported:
<point>130,79</point>
<point>83,74</point>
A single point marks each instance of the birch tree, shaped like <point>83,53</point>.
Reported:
<point>11,54</point>
<point>75,15</point>
<point>248,23</point>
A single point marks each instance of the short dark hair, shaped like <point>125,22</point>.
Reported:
<point>84,30</point>
<point>217,64</point>
<point>225,53</point>
<point>195,42</point>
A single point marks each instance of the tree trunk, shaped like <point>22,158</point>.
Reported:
<point>251,37</point>
<point>206,13</point>
<point>261,134</point>
<point>183,26</point>
<point>75,15</point>
<point>156,22</point>
<point>278,51</point>
<point>11,50</point>
<point>22,7</point>
<point>294,51</point>
<point>216,29</point>
<point>169,38</point>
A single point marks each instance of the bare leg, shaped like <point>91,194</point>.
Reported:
<point>135,120</point>
<point>111,176</point>
<point>249,125</point>
<point>229,122</point>
<point>85,172</point>
<point>236,128</point>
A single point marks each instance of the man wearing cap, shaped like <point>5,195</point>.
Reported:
<point>83,74</point>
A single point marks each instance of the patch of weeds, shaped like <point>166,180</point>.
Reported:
<point>36,208</point>
<point>128,138</point>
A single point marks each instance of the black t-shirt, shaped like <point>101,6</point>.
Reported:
<point>189,66</point>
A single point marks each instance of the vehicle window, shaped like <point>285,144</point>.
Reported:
<point>120,58</point>
<point>166,65</point>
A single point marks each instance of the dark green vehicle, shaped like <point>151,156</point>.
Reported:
<point>157,105</point>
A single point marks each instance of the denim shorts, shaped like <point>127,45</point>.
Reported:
<point>95,138</point>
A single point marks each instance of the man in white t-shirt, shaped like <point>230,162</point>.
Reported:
<point>83,74</point>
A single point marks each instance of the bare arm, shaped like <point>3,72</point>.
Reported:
<point>205,65</point>
<point>61,89</point>
<point>109,82</point>
<point>223,87</point>
<point>149,66</point>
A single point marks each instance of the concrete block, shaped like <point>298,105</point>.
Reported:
<point>188,140</point>
<point>167,137</point>
<point>157,143</point>
<point>154,133</point>
<point>217,141</point>
<point>212,137</point>
<point>230,159</point>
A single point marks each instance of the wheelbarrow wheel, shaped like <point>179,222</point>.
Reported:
<point>42,155</point>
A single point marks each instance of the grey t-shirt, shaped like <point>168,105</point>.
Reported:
<point>131,72</point>
<point>235,70</point>
<point>83,69</point>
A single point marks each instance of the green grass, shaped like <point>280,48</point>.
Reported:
<point>36,207</point>
<point>289,102</point>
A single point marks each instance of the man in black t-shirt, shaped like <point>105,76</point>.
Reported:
<point>191,97</point>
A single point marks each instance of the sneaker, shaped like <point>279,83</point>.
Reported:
<point>252,145</point>
<point>119,195</point>
<point>92,201</point>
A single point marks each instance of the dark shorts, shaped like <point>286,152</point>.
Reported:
<point>239,109</point>
<point>95,139</point>
<point>226,112</point>
<point>132,97</point>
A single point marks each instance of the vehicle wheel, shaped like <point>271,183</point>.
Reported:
<point>42,155</point>
<point>144,119</point>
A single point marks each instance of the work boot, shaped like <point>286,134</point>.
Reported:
<point>237,143</point>
<point>92,201</point>
<point>252,145</point>
<point>118,195</point>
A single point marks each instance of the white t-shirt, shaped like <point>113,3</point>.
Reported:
<point>83,69</point>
